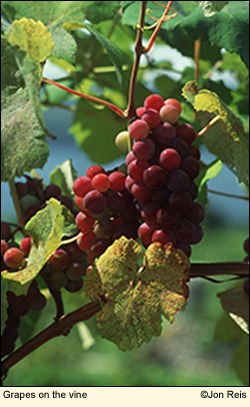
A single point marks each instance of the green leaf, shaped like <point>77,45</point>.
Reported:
<point>22,119</point>
<point>112,49</point>
<point>228,138</point>
<point>207,172</point>
<point>54,14</point>
<point>95,129</point>
<point>64,176</point>
<point>4,303</point>
<point>236,303</point>
<point>46,230</point>
<point>23,142</point>
<point>211,7</point>
<point>136,297</point>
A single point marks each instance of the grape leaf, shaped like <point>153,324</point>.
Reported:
<point>4,303</point>
<point>137,297</point>
<point>54,14</point>
<point>211,7</point>
<point>228,138</point>
<point>227,29</point>
<point>112,49</point>
<point>95,130</point>
<point>236,303</point>
<point>64,176</point>
<point>46,229</point>
<point>22,121</point>
<point>207,172</point>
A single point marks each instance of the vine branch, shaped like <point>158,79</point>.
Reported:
<point>63,325</point>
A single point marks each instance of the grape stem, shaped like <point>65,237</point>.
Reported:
<point>63,324</point>
<point>245,198</point>
<point>113,107</point>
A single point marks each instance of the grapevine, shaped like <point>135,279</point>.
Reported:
<point>121,237</point>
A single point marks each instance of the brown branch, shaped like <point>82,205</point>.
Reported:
<point>138,53</point>
<point>219,269</point>
<point>60,327</point>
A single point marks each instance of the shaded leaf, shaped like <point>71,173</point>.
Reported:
<point>112,49</point>
<point>46,231</point>
<point>228,138</point>
<point>64,176</point>
<point>207,172</point>
<point>236,303</point>
<point>240,361</point>
<point>137,297</point>
<point>95,130</point>
<point>4,303</point>
<point>54,14</point>
<point>20,128</point>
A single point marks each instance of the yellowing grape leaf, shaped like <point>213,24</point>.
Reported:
<point>46,229</point>
<point>236,303</point>
<point>137,297</point>
<point>228,138</point>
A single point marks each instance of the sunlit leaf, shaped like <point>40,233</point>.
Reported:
<point>46,230</point>
<point>137,297</point>
<point>211,7</point>
<point>64,176</point>
<point>228,138</point>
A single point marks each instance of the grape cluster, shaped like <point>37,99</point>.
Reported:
<point>33,195</point>
<point>12,258</point>
<point>154,199</point>
<point>66,268</point>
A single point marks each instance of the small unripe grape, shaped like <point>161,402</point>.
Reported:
<point>122,141</point>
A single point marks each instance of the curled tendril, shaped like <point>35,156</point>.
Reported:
<point>158,20</point>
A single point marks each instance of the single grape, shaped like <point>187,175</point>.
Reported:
<point>175,103</point>
<point>59,260</point>
<point>148,211</point>
<point>139,129</point>
<point>74,286</point>
<point>57,279</point>
<point>117,181</point>
<point>180,145</point>
<point>185,231</point>
<point>75,271</point>
<point>122,141</point>
<point>25,245</point>
<point>117,201</point>
<point>169,113</point>
<point>145,232</point>
<point>144,149</point>
<point>198,236</point>
<point>169,159</point>
<point>152,117</point>
<point>22,189</point>
<point>75,254</point>
<point>187,133</point>
<point>99,245</point>
<point>168,217</point>
<point>21,309</point>
<point>163,236</point>
<point>195,213</point>
<point>84,222</point>
<point>191,166</point>
<point>84,242</point>
<point>140,191</point>
<point>4,247</point>
<point>154,177</point>
<point>13,257</point>
<point>95,202</point>
<point>136,169</point>
<point>177,180</point>
<point>181,200</point>
<point>5,231</point>
<point>154,101</point>
<point>52,190</point>
<point>100,182</point>
<point>104,228</point>
<point>82,185</point>
<point>139,111</point>
<point>164,133</point>
<point>94,170</point>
